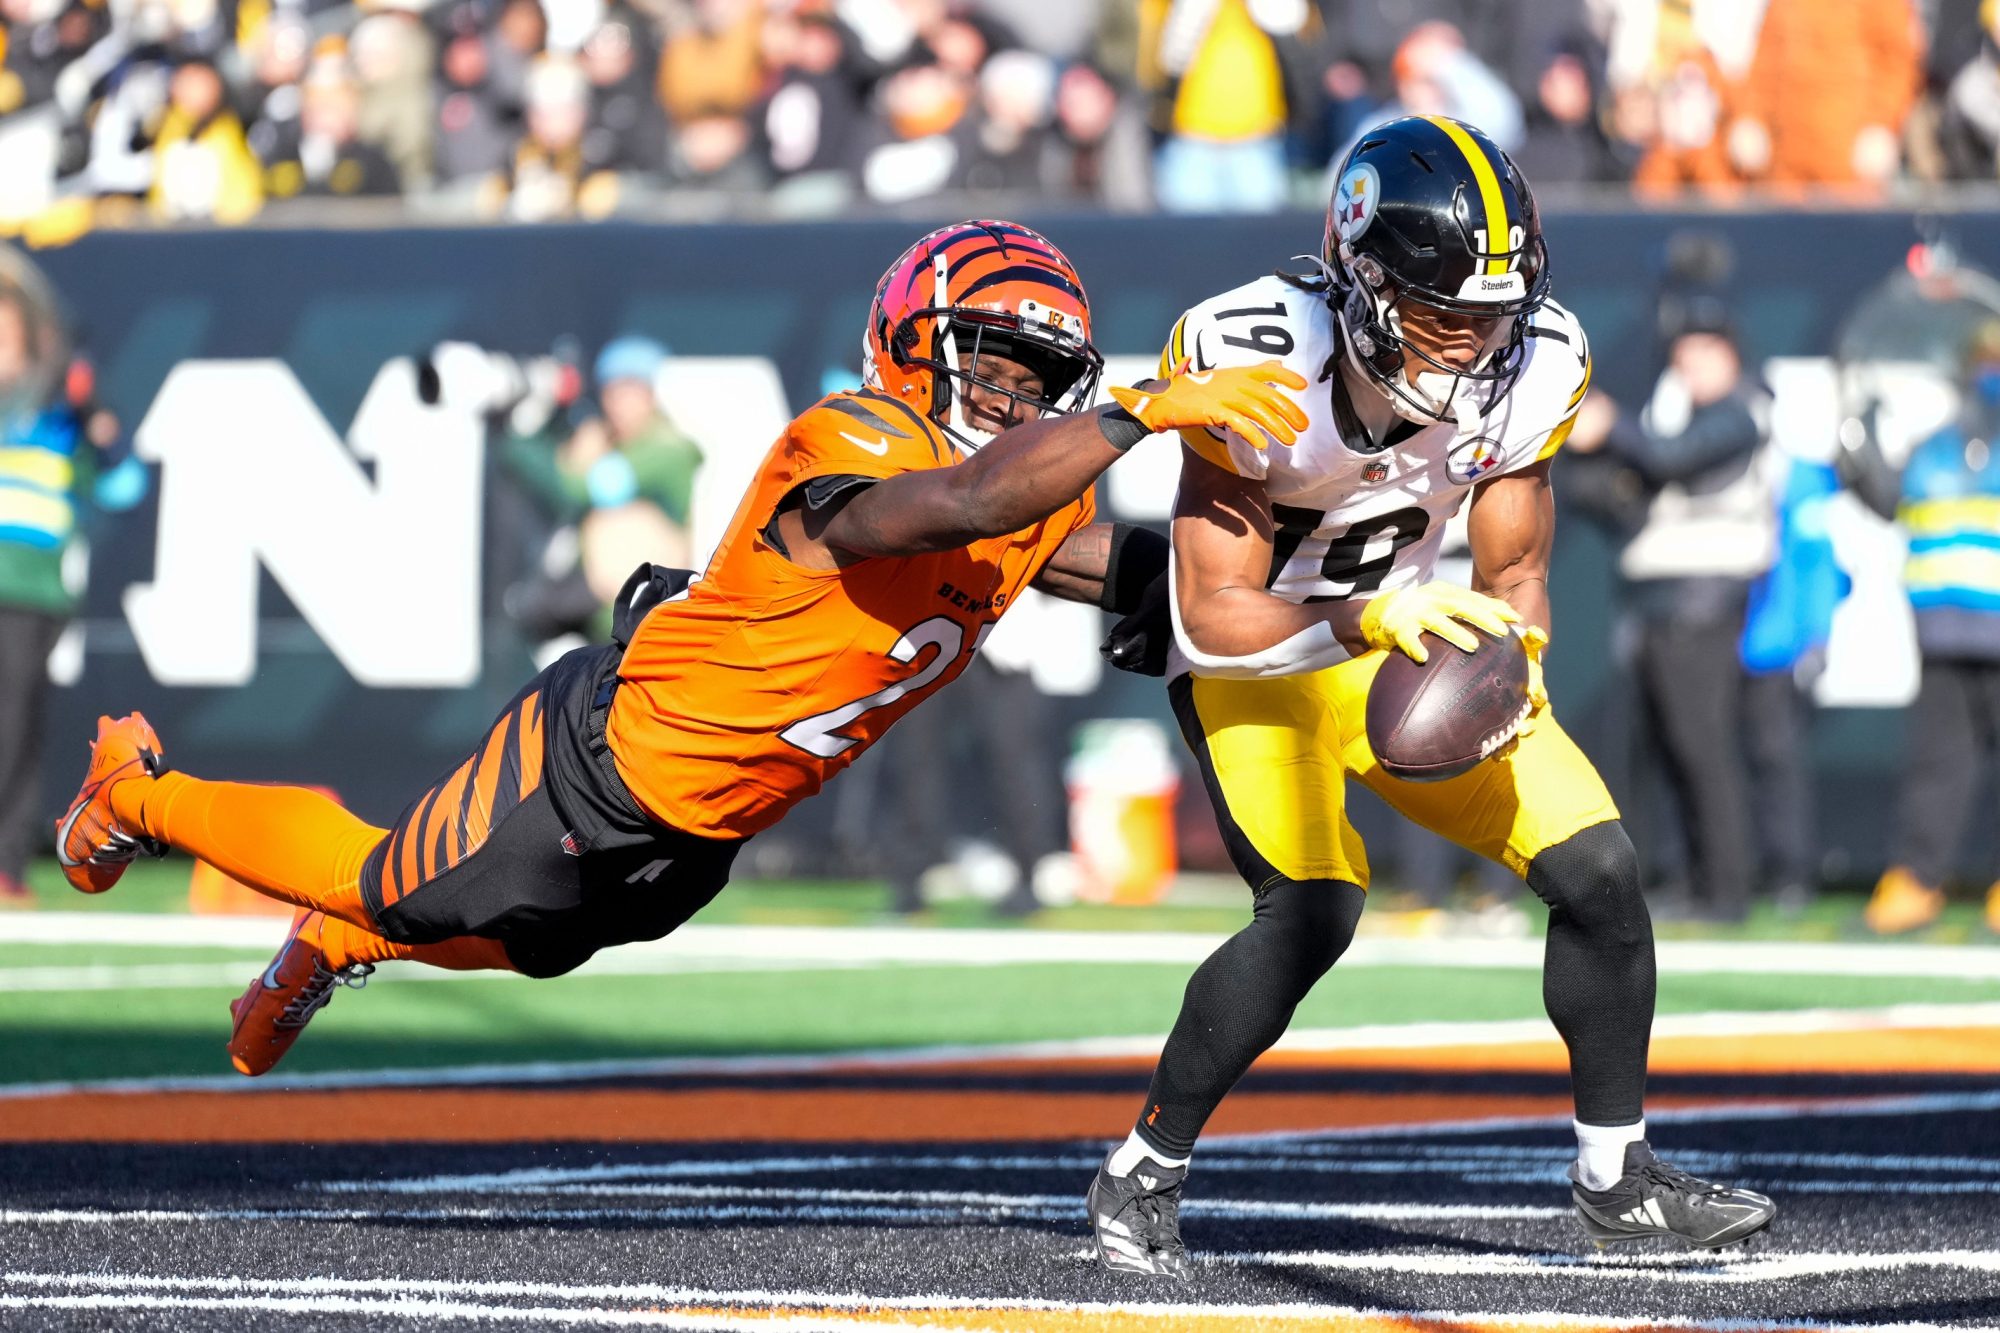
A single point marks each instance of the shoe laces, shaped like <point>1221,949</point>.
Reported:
<point>318,989</point>
<point>1158,1207</point>
<point>1671,1177</point>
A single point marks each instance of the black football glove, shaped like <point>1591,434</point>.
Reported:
<point>1139,642</point>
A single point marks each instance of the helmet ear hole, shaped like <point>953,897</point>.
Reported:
<point>903,341</point>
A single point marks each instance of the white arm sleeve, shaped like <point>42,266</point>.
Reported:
<point>1309,650</point>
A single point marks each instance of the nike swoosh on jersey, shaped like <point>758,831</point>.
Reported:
<point>879,447</point>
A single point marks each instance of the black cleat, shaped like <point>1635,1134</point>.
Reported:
<point>1655,1199</point>
<point>1137,1219</point>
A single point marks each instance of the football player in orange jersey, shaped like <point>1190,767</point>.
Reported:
<point>883,535</point>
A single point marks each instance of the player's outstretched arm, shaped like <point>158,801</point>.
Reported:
<point>1032,470</point>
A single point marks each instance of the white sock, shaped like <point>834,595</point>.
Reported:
<point>1134,1150</point>
<point>1600,1152</point>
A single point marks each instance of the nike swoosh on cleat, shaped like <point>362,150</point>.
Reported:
<point>62,835</point>
<point>879,447</point>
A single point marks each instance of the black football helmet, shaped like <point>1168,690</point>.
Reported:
<point>1432,224</point>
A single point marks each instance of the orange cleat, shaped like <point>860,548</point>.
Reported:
<point>271,1014</point>
<point>1901,902</point>
<point>90,845</point>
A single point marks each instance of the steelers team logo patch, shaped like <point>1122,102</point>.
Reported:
<point>1354,201</point>
<point>1468,462</point>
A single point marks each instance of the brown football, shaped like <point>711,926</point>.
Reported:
<point>1428,721</point>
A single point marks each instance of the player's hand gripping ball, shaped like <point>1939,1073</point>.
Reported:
<point>1466,698</point>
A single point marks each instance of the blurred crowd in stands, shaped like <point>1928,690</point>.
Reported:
<point>217,110</point>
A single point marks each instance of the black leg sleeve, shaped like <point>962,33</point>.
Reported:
<point>1597,969</point>
<point>1239,1001</point>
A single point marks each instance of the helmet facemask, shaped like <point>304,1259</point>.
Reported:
<point>1400,339</point>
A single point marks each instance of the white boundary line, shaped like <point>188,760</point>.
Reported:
<point>432,1299</point>
<point>821,946</point>
<point>1390,1036</point>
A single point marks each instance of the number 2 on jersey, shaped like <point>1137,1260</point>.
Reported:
<point>818,734</point>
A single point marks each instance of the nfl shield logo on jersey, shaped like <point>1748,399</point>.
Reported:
<point>1472,460</point>
<point>1374,472</point>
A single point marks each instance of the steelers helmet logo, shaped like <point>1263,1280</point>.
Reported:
<point>1354,201</point>
<point>1472,460</point>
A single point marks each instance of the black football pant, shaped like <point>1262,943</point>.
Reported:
<point>26,639</point>
<point>1954,730</point>
<point>1691,673</point>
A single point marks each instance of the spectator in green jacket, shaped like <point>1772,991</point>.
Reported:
<point>621,484</point>
<point>57,453</point>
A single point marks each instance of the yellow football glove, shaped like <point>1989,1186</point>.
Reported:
<point>1398,619</point>
<point>1536,640</point>
<point>1244,399</point>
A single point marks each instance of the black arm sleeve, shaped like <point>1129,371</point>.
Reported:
<point>1138,556</point>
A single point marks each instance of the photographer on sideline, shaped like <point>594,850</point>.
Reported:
<point>618,482</point>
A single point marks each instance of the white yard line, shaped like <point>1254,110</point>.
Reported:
<point>1391,1036</point>
<point>819,946</point>
<point>776,1309</point>
<point>1687,1269</point>
<point>723,1204</point>
<point>232,976</point>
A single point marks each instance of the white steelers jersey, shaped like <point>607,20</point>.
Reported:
<point>1354,523</point>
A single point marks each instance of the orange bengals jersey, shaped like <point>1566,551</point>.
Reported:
<point>738,700</point>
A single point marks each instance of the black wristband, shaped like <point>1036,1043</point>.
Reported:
<point>1138,556</point>
<point>1121,429</point>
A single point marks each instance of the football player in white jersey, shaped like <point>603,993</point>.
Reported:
<point>1440,373</point>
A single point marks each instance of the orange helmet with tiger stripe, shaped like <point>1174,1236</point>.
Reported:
<point>973,289</point>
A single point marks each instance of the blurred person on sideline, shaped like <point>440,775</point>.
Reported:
<point>58,453</point>
<point>204,169</point>
<point>480,83</point>
<point>1436,74</point>
<point>329,159</point>
<point>1220,80</point>
<point>627,130</point>
<point>711,63</point>
<point>1827,92</point>
<point>813,118</point>
<point>550,176</point>
<point>394,59</point>
<point>1564,140</point>
<point>271,100</point>
<point>1708,531</point>
<point>884,532</point>
<point>1674,109</point>
<point>620,485</point>
<point>43,37</point>
<point>1100,142</point>
<point>1969,117</point>
<point>918,138</point>
<point>1947,498</point>
<point>1009,141</point>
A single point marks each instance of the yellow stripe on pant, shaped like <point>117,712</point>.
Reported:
<point>1276,753</point>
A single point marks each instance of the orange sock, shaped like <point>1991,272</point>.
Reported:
<point>289,843</point>
<point>345,943</point>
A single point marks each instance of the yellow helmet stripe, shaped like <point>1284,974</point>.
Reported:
<point>1173,353</point>
<point>1490,199</point>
